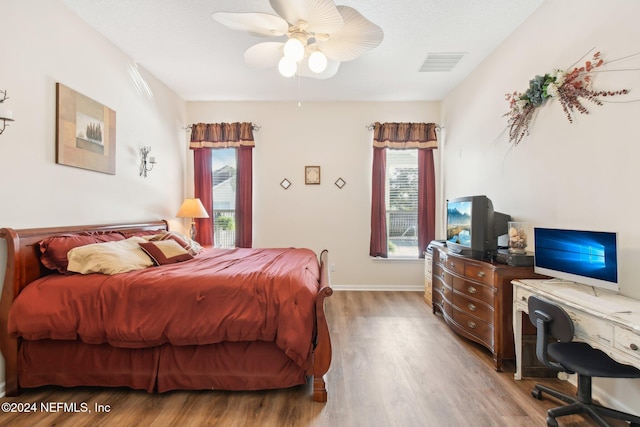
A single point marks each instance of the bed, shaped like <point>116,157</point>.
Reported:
<point>221,319</point>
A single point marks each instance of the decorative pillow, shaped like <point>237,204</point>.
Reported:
<point>166,252</point>
<point>191,246</point>
<point>110,257</point>
<point>54,249</point>
<point>141,233</point>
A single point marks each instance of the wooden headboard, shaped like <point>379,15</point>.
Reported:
<point>23,267</point>
<point>23,253</point>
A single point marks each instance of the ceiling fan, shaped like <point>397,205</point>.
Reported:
<point>316,30</point>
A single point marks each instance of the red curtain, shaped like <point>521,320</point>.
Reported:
<point>378,246</point>
<point>203,190</point>
<point>244,193</point>
<point>204,138</point>
<point>426,200</point>
<point>403,136</point>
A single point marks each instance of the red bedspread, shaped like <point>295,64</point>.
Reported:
<point>220,295</point>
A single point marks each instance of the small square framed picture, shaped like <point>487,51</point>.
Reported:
<point>312,175</point>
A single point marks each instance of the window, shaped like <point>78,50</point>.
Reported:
<point>223,173</point>
<point>402,203</point>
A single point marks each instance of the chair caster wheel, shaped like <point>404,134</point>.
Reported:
<point>537,394</point>
<point>551,422</point>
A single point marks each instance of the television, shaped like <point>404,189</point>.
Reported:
<point>586,257</point>
<point>473,227</point>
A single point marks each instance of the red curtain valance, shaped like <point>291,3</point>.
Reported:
<point>221,135</point>
<point>405,135</point>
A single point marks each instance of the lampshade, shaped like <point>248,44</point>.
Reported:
<point>294,48</point>
<point>287,67</point>
<point>192,208</point>
<point>317,62</point>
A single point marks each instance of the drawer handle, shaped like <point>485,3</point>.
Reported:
<point>633,347</point>
<point>481,274</point>
<point>523,298</point>
<point>472,307</point>
<point>472,290</point>
<point>442,275</point>
<point>471,324</point>
<point>452,265</point>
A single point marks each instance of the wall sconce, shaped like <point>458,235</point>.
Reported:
<point>147,162</point>
<point>6,115</point>
<point>192,208</point>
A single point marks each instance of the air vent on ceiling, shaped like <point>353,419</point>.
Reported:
<point>441,61</point>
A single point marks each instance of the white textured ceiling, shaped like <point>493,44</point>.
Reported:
<point>201,60</point>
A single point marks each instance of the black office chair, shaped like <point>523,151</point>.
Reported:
<point>574,358</point>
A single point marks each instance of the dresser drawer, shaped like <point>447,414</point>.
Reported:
<point>455,265</point>
<point>473,307</point>
<point>479,272</point>
<point>441,287</point>
<point>627,341</point>
<point>474,290</point>
<point>474,326</point>
<point>439,257</point>
<point>442,274</point>
<point>428,265</point>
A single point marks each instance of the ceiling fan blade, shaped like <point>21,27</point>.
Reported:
<point>330,71</point>
<point>321,16</point>
<point>264,55</point>
<point>257,24</point>
<point>356,37</point>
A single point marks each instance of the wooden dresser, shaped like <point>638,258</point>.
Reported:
<point>475,300</point>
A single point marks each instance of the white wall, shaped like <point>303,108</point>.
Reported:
<point>581,175</point>
<point>333,136</point>
<point>45,43</point>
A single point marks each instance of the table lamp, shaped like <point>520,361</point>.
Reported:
<point>192,208</point>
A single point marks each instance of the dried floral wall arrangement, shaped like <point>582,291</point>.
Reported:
<point>571,88</point>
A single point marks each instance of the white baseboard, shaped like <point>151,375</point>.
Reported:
<point>384,288</point>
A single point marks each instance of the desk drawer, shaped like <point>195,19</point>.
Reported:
<point>588,328</point>
<point>522,296</point>
<point>627,341</point>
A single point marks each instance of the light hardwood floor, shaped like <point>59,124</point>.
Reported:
<point>394,364</point>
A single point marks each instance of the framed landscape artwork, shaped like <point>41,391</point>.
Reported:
<point>85,132</point>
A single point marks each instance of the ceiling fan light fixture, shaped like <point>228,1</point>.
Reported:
<point>317,62</point>
<point>294,48</point>
<point>287,66</point>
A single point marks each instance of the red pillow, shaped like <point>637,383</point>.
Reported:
<point>166,252</point>
<point>54,249</point>
<point>180,239</point>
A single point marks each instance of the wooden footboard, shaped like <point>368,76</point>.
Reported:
<point>322,351</point>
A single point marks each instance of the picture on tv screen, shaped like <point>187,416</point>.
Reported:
<point>459,223</point>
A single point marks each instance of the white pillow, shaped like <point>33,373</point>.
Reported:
<point>109,257</point>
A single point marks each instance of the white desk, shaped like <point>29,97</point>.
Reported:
<point>617,334</point>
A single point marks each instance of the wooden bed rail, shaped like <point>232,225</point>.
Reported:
<point>322,352</point>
